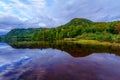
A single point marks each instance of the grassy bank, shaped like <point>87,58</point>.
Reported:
<point>95,42</point>
<point>75,48</point>
<point>80,41</point>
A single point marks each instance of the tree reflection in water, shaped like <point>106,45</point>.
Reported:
<point>54,64</point>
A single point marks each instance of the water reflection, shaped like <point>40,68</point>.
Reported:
<point>75,50</point>
<point>54,64</point>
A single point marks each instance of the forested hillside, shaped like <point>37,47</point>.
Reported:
<point>21,34</point>
<point>78,28</point>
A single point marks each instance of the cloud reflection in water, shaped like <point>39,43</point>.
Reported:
<point>53,64</point>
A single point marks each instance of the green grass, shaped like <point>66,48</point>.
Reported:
<point>95,42</point>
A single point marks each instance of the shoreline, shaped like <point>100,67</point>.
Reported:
<point>96,42</point>
<point>80,41</point>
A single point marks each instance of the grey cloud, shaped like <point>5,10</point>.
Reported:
<point>9,22</point>
<point>60,12</point>
<point>97,10</point>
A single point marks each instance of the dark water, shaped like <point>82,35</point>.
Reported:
<point>60,62</point>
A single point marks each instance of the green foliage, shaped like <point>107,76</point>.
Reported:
<point>79,28</point>
<point>20,34</point>
<point>0,38</point>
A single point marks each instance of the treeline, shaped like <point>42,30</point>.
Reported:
<point>20,34</point>
<point>0,38</point>
<point>78,28</point>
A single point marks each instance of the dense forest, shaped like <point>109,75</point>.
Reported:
<point>78,28</point>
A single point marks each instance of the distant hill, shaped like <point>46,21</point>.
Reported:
<point>80,21</point>
<point>78,28</point>
<point>26,34</point>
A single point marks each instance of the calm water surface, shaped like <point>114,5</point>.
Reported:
<point>58,63</point>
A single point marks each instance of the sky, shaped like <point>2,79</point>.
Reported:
<point>52,13</point>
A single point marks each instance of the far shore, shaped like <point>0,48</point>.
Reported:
<point>95,42</point>
<point>80,41</point>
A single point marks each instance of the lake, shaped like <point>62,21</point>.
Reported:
<point>59,62</point>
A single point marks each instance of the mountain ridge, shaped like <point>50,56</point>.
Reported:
<point>79,28</point>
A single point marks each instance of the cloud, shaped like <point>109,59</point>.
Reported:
<point>19,14</point>
<point>63,11</point>
<point>20,9</point>
<point>9,22</point>
<point>51,13</point>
